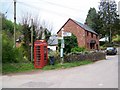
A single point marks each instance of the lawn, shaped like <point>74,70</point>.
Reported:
<point>23,67</point>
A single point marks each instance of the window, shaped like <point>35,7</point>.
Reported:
<point>92,35</point>
<point>96,36</point>
<point>87,33</point>
<point>87,45</point>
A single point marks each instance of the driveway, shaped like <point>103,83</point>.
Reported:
<point>101,74</point>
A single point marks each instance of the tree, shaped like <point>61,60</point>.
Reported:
<point>7,25</point>
<point>38,32</point>
<point>70,42</point>
<point>108,15</point>
<point>91,17</point>
<point>93,20</point>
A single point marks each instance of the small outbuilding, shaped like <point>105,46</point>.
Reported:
<point>53,42</point>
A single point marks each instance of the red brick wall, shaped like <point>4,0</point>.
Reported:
<point>81,34</point>
<point>72,27</point>
<point>89,38</point>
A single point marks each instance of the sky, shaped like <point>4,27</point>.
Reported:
<point>53,12</point>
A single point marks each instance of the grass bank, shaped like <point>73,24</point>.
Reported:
<point>23,67</point>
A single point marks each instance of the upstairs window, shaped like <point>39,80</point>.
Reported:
<point>92,35</point>
<point>87,33</point>
<point>96,36</point>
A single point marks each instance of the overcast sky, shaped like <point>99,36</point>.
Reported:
<point>54,12</point>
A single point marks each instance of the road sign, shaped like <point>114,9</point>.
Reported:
<point>67,34</point>
<point>62,43</point>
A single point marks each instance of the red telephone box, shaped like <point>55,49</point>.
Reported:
<point>40,53</point>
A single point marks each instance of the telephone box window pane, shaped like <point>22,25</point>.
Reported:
<point>38,56</point>
<point>45,52</point>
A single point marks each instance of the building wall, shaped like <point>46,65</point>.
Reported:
<point>72,27</point>
<point>82,38</point>
<point>89,38</point>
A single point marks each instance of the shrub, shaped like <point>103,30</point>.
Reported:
<point>56,56</point>
<point>78,49</point>
<point>70,42</point>
<point>10,54</point>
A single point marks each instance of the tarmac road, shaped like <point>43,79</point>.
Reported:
<point>101,74</point>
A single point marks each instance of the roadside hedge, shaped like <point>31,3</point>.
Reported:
<point>92,56</point>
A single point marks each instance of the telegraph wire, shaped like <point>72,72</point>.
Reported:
<point>8,8</point>
<point>62,6</point>
<point>43,9</point>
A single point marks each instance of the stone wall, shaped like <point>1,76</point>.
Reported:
<point>93,56</point>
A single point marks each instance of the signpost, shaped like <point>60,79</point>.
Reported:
<point>62,46</point>
<point>64,34</point>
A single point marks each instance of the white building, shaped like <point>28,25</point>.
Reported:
<point>53,42</point>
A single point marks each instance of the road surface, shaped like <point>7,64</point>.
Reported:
<point>101,74</point>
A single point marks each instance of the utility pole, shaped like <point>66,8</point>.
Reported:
<point>14,23</point>
<point>31,39</point>
<point>110,35</point>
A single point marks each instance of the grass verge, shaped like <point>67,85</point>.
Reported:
<point>22,67</point>
<point>67,65</point>
<point>16,67</point>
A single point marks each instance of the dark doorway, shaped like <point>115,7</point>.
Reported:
<point>97,47</point>
<point>92,44</point>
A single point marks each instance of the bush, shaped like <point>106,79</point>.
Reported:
<point>78,49</point>
<point>70,42</point>
<point>56,56</point>
<point>10,54</point>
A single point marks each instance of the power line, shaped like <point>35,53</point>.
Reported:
<point>50,11</point>
<point>9,7</point>
<point>62,6</point>
<point>38,9</point>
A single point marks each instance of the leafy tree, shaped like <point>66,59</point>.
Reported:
<point>9,54</point>
<point>27,39</point>
<point>108,14</point>
<point>93,20</point>
<point>91,17</point>
<point>7,25</point>
<point>38,30</point>
<point>70,42</point>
